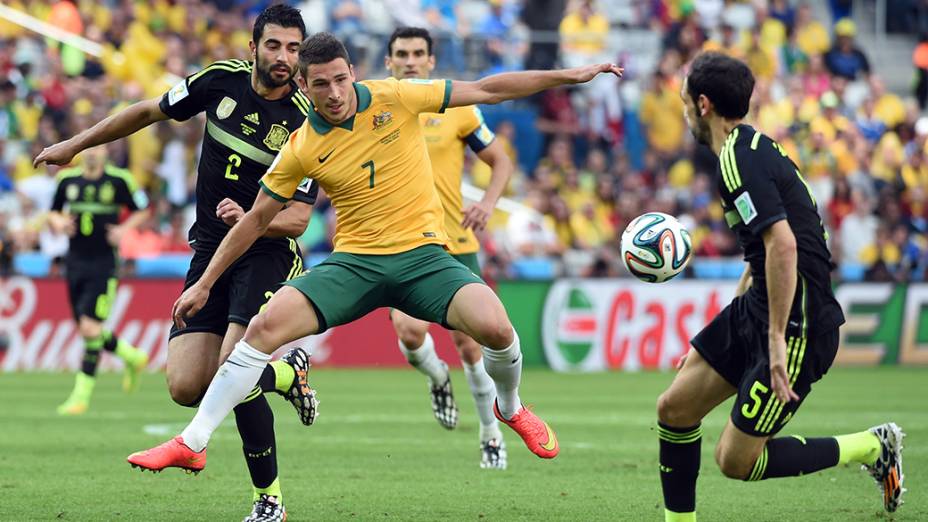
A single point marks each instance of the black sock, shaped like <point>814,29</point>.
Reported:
<point>255,422</point>
<point>110,341</point>
<point>795,456</point>
<point>91,358</point>
<point>268,380</point>
<point>679,459</point>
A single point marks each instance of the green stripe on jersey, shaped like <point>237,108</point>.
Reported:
<point>238,145</point>
<point>755,140</point>
<point>301,103</point>
<point>93,207</point>
<point>225,65</point>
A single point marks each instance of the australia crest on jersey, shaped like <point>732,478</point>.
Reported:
<point>382,119</point>
<point>276,137</point>
<point>225,108</point>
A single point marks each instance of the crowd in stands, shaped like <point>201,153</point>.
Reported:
<point>609,150</point>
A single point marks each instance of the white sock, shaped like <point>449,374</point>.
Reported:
<point>481,387</point>
<point>426,360</point>
<point>505,368</point>
<point>233,382</point>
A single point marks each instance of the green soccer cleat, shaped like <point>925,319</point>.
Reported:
<point>72,407</point>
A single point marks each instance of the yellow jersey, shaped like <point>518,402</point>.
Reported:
<point>445,135</point>
<point>374,167</point>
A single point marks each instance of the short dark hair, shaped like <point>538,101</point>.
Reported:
<point>727,82</point>
<point>280,14</point>
<point>410,32</point>
<point>321,48</point>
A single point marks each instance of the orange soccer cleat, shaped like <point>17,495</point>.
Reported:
<point>538,436</point>
<point>171,454</point>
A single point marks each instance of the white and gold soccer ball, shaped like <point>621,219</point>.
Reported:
<point>655,247</point>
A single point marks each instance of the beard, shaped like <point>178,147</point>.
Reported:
<point>265,76</point>
<point>701,131</point>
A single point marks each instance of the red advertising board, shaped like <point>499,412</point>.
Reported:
<point>38,332</point>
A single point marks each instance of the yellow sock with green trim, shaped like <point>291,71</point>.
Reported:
<point>273,490</point>
<point>670,516</point>
<point>283,375</point>
<point>861,447</point>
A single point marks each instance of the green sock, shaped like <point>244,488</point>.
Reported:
<point>861,447</point>
<point>83,387</point>
<point>283,375</point>
<point>670,516</point>
<point>273,490</point>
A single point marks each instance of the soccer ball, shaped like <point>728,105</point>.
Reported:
<point>655,247</point>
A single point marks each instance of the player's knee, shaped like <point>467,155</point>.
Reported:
<point>673,412</point>
<point>260,331</point>
<point>468,349</point>
<point>89,328</point>
<point>186,391</point>
<point>733,464</point>
<point>494,330</point>
<point>411,335</point>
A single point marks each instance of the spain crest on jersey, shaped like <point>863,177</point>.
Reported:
<point>225,108</point>
<point>276,137</point>
<point>107,193</point>
<point>382,119</point>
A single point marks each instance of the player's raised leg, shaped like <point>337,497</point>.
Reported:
<point>476,311</point>
<point>492,446</point>
<point>694,392</point>
<point>418,347</point>
<point>289,316</point>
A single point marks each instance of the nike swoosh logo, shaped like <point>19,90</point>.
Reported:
<point>193,460</point>
<point>323,158</point>
<point>552,440</point>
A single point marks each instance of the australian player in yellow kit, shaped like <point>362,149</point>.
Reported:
<point>363,144</point>
<point>410,55</point>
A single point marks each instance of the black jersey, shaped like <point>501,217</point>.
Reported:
<point>759,186</point>
<point>244,133</point>
<point>95,205</point>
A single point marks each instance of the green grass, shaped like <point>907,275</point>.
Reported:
<point>377,454</point>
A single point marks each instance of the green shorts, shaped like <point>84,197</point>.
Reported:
<point>420,282</point>
<point>470,261</point>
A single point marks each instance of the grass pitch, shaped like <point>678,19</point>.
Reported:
<point>376,453</point>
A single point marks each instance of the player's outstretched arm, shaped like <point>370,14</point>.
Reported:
<point>123,123</point>
<point>253,225</point>
<point>781,272</point>
<point>494,155</point>
<point>510,86</point>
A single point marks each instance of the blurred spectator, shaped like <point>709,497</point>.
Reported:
<point>661,110</point>
<point>920,61</point>
<point>845,59</point>
<point>583,35</point>
<point>858,229</point>
<point>543,18</point>
<point>811,35</point>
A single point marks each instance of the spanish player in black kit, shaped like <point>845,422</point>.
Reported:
<point>86,207</point>
<point>779,335</point>
<point>251,109</point>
